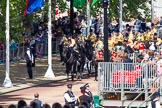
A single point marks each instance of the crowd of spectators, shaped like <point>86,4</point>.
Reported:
<point>79,102</point>
<point>23,104</point>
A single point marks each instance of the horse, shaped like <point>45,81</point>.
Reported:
<point>69,60</point>
<point>89,56</point>
<point>81,58</point>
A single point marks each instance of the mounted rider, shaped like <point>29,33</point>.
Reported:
<point>99,50</point>
<point>80,37</point>
<point>71,40</point>
<point>92,37</point>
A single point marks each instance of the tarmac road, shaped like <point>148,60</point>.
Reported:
<point>50,90</point>
<point>49,93</point>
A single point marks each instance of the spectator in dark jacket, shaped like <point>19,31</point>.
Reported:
<point>12,106</point>
<point>37,100</point>
<point>127,60</point>
<point>56,105</point>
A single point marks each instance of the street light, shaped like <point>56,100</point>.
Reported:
<point>106,51</point>
<point>7,82</point>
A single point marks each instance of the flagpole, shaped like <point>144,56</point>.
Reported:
<point>49,73</point>
<point>121,15</point>
<point>7,82</point>
<point>152,11</point>
<point>88,18</point>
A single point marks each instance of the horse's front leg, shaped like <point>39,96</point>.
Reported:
<point>68,69</point>
<point>73,70</point>
<point>81,70</point>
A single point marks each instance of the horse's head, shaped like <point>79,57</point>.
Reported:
<point>65,51</point>
<point>89,49</point>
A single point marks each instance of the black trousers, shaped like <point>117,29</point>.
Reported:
<point>30,72</point>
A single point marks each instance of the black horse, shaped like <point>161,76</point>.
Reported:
<point>81,58</point>
<point>90,56</point>
<point>69,60</point>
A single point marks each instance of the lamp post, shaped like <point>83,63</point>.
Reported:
<point>7,82</point>
<point>71,16</point>
<point>106,51</point>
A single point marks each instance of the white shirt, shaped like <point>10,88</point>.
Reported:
<point>30,55</point>
<point>72,43</point>
<point>157,103</point>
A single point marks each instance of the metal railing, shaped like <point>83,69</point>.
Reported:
<point>133,56</point>
<point>127,75</point>
<point>41,49</point>
<point>147,97</point>
<point>139,78</point>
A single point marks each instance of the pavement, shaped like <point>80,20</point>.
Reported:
<point>30,83</point>
<point>19,76</point>
<point>50,89</point>
<point>48,93</point>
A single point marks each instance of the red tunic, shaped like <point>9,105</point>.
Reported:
<point>141,46</point>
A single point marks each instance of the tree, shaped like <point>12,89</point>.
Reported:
<point>130,8</point>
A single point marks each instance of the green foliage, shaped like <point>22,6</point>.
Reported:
<point>130,8</point>
<point>77,3</point>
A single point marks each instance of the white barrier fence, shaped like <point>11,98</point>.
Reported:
<point>127,77</point>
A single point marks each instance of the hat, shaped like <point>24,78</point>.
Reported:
<point>109,35</point>
<point>91,30</point>
<point>83,88</point>
<point>156,94</point>
<point>117,30</point>
<point>152,24</point>
<point>129,29</point>
<point>86,85</point>
<point>155,34</point>
<point>70,34</point>
<point>79,32</point>
<point>127,25</point>
<point>126,35</point>
<point>69,86</point>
